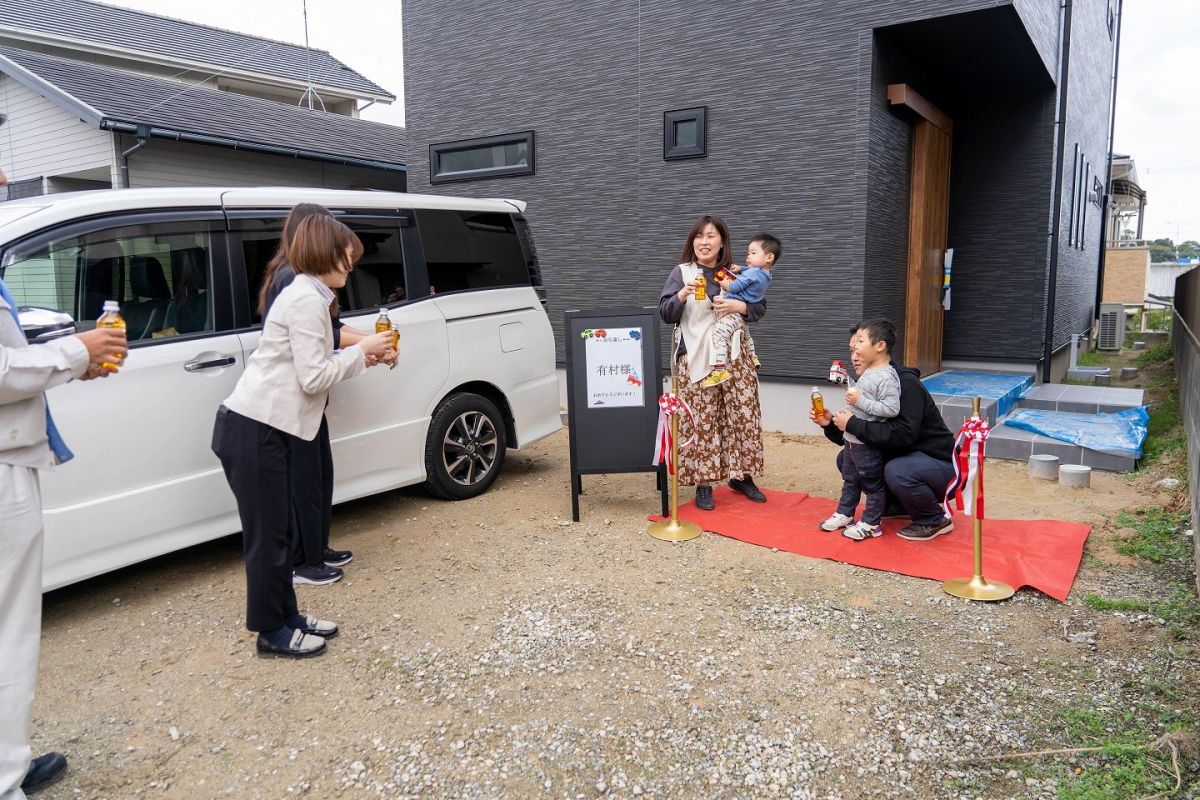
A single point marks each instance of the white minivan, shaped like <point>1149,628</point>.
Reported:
<point>458,277</point>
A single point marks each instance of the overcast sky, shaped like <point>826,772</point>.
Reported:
<point>1158,110</point>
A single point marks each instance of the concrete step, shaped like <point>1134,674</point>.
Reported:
<point>1080,399</point>
<point>955,409</point>
<point>1017,444</point>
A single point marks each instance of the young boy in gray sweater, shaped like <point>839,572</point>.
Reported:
<point>875,397</point>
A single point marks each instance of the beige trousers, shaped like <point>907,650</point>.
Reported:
<point>20,619</point>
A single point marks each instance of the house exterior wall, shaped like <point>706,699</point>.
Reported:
<point>167,163</point>
<point>1087,124</point>
<point>40,139</point>
<point>1125,273</point>
<point>800,143</point>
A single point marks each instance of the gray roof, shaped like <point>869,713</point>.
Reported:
<point>174,38</point>
<point>119,100</point>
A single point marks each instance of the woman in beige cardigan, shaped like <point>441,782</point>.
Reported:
<point>283,391</point>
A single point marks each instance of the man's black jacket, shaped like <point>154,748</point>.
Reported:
<point>917,428</point>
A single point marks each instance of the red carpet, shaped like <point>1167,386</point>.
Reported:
<point>1043,554</point>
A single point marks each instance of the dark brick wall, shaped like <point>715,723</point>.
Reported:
<point>1088,95</point>
<point>801,143</point>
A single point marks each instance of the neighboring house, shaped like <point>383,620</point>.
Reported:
<point>869,135</point>
<point>97,97</point>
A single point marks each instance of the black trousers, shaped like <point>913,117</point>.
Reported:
<point>311,471</point>
<point>255,459</point>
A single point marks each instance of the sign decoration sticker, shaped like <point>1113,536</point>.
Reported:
<point>614,364</point>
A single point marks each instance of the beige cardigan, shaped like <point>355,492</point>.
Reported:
<point>288,378</point>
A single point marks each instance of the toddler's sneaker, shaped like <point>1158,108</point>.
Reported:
<point>717,377</point>
<point>838,520</point>
<point>861,530</point>
<point>757,363</point>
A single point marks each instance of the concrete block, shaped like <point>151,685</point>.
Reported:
<point>1128,372</point>
<point>1139,345</point>
<point>1044,467</point>
<point>1075,476</point>
<point>1102,380</point>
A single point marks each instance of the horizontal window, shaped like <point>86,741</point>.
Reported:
<point>487,157</point>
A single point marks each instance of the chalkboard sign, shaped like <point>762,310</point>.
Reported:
<point>614,378</point>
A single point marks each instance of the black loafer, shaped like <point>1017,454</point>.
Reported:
<point>704,498</point>
<point>43,771</point>
<point>748,488</point>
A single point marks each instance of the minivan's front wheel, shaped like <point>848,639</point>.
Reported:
<point>465,449</point>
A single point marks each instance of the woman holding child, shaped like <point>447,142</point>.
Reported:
<point>728,430</point>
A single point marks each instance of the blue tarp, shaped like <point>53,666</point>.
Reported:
<point>1121,433</point>
<point>1005,389</point>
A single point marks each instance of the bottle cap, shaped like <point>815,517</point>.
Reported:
<point>111,305</point>
<point>816,390</point>
<point>383,311</point>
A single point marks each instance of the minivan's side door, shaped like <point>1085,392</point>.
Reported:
<point>144,480</point>
<point>377,420</point>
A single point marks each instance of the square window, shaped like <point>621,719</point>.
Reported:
<point>486,157</point>
<point>685,133</point>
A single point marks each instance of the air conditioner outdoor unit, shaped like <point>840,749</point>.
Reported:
<point>1112,327</point>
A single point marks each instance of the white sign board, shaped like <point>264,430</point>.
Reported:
<point>614,367</point>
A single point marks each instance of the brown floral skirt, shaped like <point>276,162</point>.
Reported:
<point>729,425</point>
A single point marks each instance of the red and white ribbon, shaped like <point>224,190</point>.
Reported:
<point>968,469</point>
<point>669,405</point>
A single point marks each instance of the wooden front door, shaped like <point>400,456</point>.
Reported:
<point>928,224</point>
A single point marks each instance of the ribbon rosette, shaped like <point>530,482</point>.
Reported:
<point>669,405</point>
<point>968,464</point>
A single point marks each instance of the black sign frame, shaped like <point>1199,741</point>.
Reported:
<point>611,440</point>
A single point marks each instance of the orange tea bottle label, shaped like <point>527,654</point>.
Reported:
<point>701,288</point>
<point>818,403</point>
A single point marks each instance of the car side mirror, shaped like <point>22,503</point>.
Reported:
<point>44,324</point>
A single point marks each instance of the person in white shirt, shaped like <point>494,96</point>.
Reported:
<point>283,392</point>
<point>29,441</point>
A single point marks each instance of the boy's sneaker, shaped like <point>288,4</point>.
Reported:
<point>838,520</point>
<point>337,558</point>
<point>718,376</point>
<point>315,576</point>
<point>861,530</point>
<point>923,533</point>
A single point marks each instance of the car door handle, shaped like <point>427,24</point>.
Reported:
<point>197,365</point>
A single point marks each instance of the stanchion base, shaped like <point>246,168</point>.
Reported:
<point>978,588</point>
<point>674,531</point>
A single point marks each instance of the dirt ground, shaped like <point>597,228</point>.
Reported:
<point>491,648</point>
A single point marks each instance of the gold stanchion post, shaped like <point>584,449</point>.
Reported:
<point>977,587</point>
<point>672,530</point>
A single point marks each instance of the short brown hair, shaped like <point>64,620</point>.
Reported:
<point>724,259</point>
<point>319,246</point>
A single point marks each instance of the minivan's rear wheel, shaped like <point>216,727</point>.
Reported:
<point>465,449</point>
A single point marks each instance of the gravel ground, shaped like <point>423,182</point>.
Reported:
<point>492,648</point>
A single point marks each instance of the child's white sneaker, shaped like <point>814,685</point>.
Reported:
<point>838,520</point>
<point>861,530</point>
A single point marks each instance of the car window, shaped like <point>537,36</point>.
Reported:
<point>471,250</point>
<point>377,280</point>
<point>159,273</point>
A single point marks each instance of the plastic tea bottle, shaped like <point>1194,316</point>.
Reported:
<point>111,318</point>
<point>383,322</point>
<point>395,338</point>
<point>818,403</point>
<point>701,288</point>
